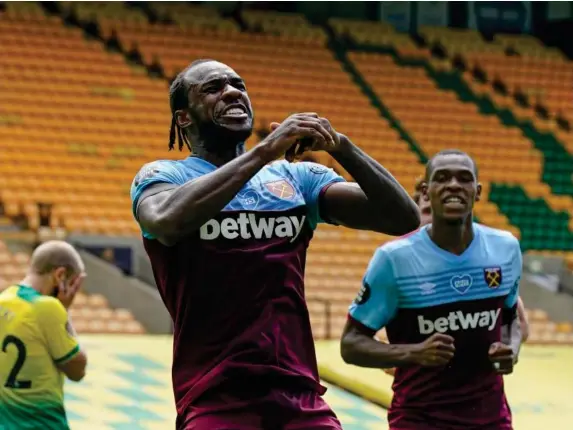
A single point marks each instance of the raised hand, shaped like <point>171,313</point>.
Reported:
<point>306,132</point>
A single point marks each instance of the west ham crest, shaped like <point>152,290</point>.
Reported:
<point>282,189</point>
<point>492,276</point>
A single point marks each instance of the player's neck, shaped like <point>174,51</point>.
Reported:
<point>33,282</point>
<point>454,238</point>
<point>218,158</point>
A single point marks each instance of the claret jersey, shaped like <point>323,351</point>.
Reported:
<point>235,288</point>
<point>415,288</point>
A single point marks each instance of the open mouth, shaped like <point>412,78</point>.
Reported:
<point>234,112</point>
<point>454,202</point>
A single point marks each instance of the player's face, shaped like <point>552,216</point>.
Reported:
<point>452,187</point>
<point>219,106</point>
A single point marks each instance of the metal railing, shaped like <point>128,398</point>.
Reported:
<point>327,306</point>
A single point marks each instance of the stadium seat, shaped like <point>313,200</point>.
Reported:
<point>90,313</point>
<point>106,118</point>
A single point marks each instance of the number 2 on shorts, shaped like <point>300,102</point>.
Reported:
<point>12,381</point>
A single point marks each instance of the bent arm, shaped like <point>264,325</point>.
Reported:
<point>358,347</point>
<point>170,212</point>
<point>511,331</point>
<point>511,328</point>
<point>523,320</point>
<point>379,203</point>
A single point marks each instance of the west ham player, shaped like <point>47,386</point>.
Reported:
<point>445,294</point>
<point>227,233</point>
<point>423,203</point>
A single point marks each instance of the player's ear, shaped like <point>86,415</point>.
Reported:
<point>183,118</point>
<point>59,275</point>
<point>478,192</point>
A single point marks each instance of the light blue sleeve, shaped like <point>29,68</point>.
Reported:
<point>156,172</point>
<point>312,178</point>
<point>516,270</point>
<point>377,302</point>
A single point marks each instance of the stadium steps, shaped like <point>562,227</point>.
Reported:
<point>91,313</point>
<point>556,179</point>
<point>340,54</point>
<point>268,62</point>
<point>521,62</point>
<point>486,212</point>
<point>541,227</point>
<point>557,164</point>
<point>539,73</point>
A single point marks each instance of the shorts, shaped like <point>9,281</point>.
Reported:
<point>259,409</point>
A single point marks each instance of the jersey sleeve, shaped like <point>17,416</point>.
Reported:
<point>313,178</point>
<point>516,270</point>
<point>53,321</point>
<point>377,301</point>
<point>157,172</point>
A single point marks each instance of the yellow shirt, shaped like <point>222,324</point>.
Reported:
<point>34,337</point>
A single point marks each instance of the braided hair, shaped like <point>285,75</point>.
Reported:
<point>179,99</point>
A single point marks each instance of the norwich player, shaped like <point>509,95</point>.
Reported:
<point>38,343</point>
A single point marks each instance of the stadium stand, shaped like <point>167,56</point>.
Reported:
<point>93,155</point>
<point>91,313</point>
<point>79,114</point>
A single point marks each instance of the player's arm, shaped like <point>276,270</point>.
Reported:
<point>61,338</point>
<point>168,210</point>
<point>511,328</point>
<point>376,202</point>
<point>523,320</point>
<point>375,306</point>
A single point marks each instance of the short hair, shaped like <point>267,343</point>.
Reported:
<point>179,99</point>
<point>53,254</point>
<point>430,163</point>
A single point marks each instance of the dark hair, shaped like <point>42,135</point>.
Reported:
<point>420,181</point>
<point>430,163</point>
<point>178,99</point>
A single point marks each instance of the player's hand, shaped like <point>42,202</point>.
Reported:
<point>67,291</point>
<point>502,358</point>
<point>437,350</point>
<point>303,132</point>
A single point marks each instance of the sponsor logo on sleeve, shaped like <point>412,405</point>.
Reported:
<point>363,295</point>
<point>146,171</point>
<point>317,169</point>
<point>492,276</point>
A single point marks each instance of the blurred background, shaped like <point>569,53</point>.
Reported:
<point>84,104</point>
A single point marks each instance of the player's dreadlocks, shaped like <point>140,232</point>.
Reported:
<point>178,99</point>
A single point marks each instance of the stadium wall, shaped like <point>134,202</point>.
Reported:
<point>558,305</point>
<point>126,292</point>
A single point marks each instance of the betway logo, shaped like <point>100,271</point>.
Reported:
<point>459,321</point>
<point>247,226</point>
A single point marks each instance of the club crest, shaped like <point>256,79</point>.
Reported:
<point>282,189</point>
<point>492,276</point>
